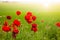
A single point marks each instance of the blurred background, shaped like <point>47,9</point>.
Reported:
<point>46,11</point>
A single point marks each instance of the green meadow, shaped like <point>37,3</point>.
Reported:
<point>46,30</point>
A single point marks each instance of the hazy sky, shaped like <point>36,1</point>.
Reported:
<point>38,1</point>
<point>45,4</point>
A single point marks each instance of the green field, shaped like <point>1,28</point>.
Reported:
<point>46,31</point>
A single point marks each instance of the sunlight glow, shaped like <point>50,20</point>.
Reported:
<point>45,3</point>
<point>33,1</point>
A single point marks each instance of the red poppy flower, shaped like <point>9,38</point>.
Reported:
<point>8,17</point>
<point>27,17</point>
<point>15,31</point>
<point>58,24</point>
<point>34,29</point>
<point>34,25</point>
<point>6,28</point>
<point>34,18</point>
<point>18,12</point>
<point>29,21</point>
<point>5,23</point>
<point>29,13</point>
<point>17,22</point>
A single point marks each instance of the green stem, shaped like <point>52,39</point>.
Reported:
<point>6,36</point>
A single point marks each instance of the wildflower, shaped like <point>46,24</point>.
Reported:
<point>58,24</point>
<point>18,12</point>
<point>6,28</point>
<point>34,29</point>
<point>15,31</point>
<point>34,25</point>
<point>34,18</point>
<point>29,13</point>
<point>8,17</point>
<point>16,22</point>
